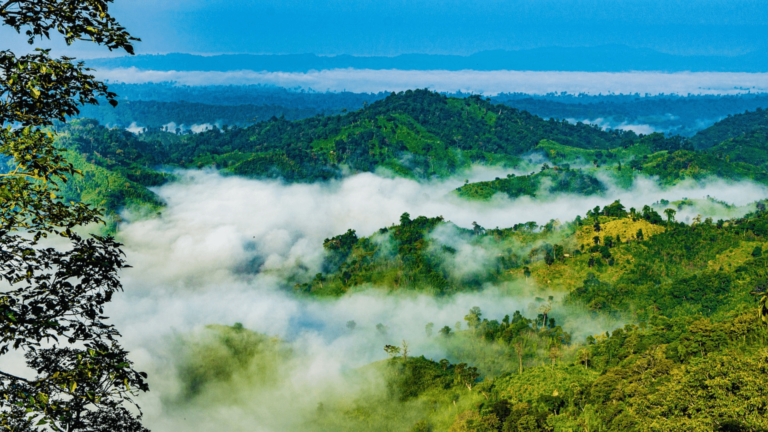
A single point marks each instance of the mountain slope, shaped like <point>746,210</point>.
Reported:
<point>416,133</point>
<point>731,127</point>
<point>751,148</point>
<point>419,134</point>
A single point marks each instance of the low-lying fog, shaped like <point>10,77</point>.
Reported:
<point>217,252</point>
<point>469,81</point>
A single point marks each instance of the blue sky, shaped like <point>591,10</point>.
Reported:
<point>391,27</point>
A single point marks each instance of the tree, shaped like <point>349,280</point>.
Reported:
<point>761,294</point>
<point>429,328</point>
<point>466,375</point>
<point>351,325</point>
<point>559,252</point>
<point>519,350</point>
<point>583,356</point>
<point>78,377</point>
<point>445,331</point>
<point>670,214</point>
<point>554,354</point>
<point>477,229</point>
<point>473,318</point>
<point>545,309</point>
<point>392,351</point>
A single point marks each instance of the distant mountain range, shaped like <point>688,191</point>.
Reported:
<point>610,58</point>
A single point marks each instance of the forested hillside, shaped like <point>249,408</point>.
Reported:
<point>751,148</point>
<point>155,115</point>
<point>417,134</point>
<point>634,321</point>
<point>547,181</point>
<point>153,105</point>
<point>732,127</point>
<point>690,354</point>
<point>424,135</point>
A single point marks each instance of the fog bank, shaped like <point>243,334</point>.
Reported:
<point>469,81</point>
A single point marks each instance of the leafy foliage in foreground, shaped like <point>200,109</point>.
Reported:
<point>77,376</point>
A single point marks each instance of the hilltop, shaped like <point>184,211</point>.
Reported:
<point>425,135</point>
<point>419,134</point>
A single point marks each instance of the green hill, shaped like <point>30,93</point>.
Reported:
<point>547,181</point>
<point>731,127</point>
<point>421,135</point>
<point>418,134</point>
<point>750,148</point>
<point>622,167</point>
<point>674,167</point>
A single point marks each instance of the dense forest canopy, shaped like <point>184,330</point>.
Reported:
<point>154,105</point>
<point>420,135</point>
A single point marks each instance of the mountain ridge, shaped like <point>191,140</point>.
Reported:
<point>608,58</point>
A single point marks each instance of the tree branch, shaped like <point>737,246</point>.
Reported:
<point>6,5</point>
<point>7,375</point>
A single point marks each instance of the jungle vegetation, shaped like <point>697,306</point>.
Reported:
<point>421,135</point>
<point>689,353</point>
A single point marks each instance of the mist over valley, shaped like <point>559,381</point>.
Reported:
<point>383,216</point>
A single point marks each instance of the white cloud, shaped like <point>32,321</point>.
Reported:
<point>136,129</point>
<point>644,129</point>
<point>482,82</point>
<point>198,128</point>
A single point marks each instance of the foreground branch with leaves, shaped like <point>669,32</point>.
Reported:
<point>55,283</point>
